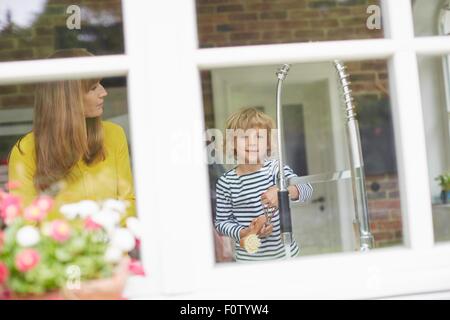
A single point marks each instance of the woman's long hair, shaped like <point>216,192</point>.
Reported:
<point>62,134</point>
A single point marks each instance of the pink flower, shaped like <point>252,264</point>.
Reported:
<point>10,208</point>
<point>136,268</point>
<point>27,259</point>
<point>90,225</point>
<point>4,273</point>
<point>137,244</point>
<point>39,209</point>
<point>11,185</point>
<point>34,213</point>
<point>60,230</point>
<point>45,203</point>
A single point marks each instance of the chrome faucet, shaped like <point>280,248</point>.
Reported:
<point>361,220</point>
<point>283,194</point>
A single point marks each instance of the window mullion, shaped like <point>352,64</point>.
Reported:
<point>409,124</point>
<point>294,53</point>
<point>168,151</point>
<point>66,68</point>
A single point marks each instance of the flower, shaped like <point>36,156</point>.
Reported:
<point>115,205</point>
<point>34,213</point>
<point>123,239</point>
<point>60,230</point>
<point>11,185</point>
<point>83,209</point>
<point>108,219</point>
<point>136,268</point>
<point>27,236</point>
<point>134,226</point>
<point>91,225</point>
<point>70,211</point>
<point>27,259</point>
<point>4,273</point>
<point>10,208</point>
<point>45,203</point>
<point>113,255</point>
<point>27,265</point>
<point>87,208</point>
<point>137,243</point>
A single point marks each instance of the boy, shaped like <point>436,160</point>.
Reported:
<point>245,191</point>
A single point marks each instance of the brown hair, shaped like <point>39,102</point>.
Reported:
<point>250,118</point>
<point>62,134</point>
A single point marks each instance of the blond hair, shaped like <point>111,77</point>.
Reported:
<point>250,118</point>
<point>62,134</point>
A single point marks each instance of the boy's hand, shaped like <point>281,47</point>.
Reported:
<point>265,231</point>
<point>256,227</point>
<point>270,197</point>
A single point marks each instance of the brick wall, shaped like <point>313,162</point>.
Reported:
<point>384,209</point>
<point>225,23</point>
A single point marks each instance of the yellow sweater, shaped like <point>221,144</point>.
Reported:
<point>102,180</point>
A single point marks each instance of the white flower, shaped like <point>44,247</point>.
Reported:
<point>70,211</point>
<point>123,240</point>
<point>27,236</point>
<point>115,205</point>
<point>108,219</point>
<point>87,208</point>
<point>113,255</point>
<point>82,209</point>
<point>134,226</point>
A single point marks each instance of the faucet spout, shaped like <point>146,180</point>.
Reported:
<point>283,195</point>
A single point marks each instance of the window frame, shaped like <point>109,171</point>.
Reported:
<point>177,244</point>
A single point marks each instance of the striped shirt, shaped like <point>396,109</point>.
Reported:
<point>239,202</point>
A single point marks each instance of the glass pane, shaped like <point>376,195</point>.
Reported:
<point>66,189</point>
<point>316,146</point>
<point>431,17</point>
<point>242,22</point>
<point>33,29</point>
<point>435,92</point>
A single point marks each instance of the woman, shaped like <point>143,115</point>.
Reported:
<point>71,153</point>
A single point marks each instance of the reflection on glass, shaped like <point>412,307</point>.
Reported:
<point>33,29</point>
<point>431,17</point>
<point>435,91</point>
<point>316,143</point>
<point>261,22</point>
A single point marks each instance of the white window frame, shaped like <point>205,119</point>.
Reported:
<point>162,63</point>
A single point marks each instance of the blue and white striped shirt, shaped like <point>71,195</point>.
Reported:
<point>239,202</point>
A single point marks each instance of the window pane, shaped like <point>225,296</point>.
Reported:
<point>16,121</point>
<point>242,22</point>
<point>33,29</point>
<point>68,140</point>
<point>431,17</point>
<point>435,92</point>
<point>316,144</point>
